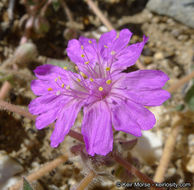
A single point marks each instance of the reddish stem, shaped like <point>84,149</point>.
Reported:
<point>134,171</point>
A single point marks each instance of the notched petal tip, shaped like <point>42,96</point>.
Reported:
<point>42,69</point>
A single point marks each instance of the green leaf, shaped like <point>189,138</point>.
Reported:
<point>189,97</point>
<point>180,107</point>
<point>26,185</point>
<point>56,5</point>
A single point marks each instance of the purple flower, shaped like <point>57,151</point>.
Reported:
<point>109,97</point>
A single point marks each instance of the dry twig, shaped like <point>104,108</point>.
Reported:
<point>41,171</point>
<point>168,149</point>
<point>67,11</point>
<point>180,83</point>
<point>99,13</point>
<point>85,182</point>
<point>5,90</point>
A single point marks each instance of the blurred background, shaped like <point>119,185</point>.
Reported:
<point>34,32</point>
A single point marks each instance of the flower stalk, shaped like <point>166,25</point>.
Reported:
<point>134,171</point>
<point>16,109</point>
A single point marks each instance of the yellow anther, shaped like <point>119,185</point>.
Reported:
<point>105,46</point>
<point>82,55</point>
<point>78,80</point>
<point>67,87</point>
<point>50,89</point>
<point>108,81</point>
<point>83,75</point>
<point>65,68</point>
<point>82,47</point>
<point>113,53</point>
<point>56,79</point>
<point>91,79</point>
<point>100,88</point>
<point>90,41</point>
<point>59,77</point>
<point>62,85</point>
<point>86,62</point>
<point>107,68</point>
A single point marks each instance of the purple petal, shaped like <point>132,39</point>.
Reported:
<point>43,103</point>
<point>46,118</point>
<point>154,97</point>
<point>122,117</point>
<point>40,87</point>
<point>122,41</point>
<point>128,56</point>
<point>130,117</point>
<point>142,87</point>
<point>82,51</point>
<point>106,39</point>
<point>145,119</point>
<point>144,80</point>
<point>49,72</point>
<point>97,129</point>
<point>65,121</point>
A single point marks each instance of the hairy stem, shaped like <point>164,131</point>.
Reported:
<point>16,109</point>
<point>144,178</point>
<point>85,182</point>
<point>5,90</point>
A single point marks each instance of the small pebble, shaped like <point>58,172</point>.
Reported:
<point>158,56</point>
<point>8,167</point>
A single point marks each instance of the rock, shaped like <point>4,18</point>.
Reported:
<point>147,52</point>
<point>9,183</point>
<point>8,167</point>
<point>158,56</point>
<point>183,37</point>
<point>25,54</point>
<point>182,11</point>
<point>148,147</point>
<point>175,32</point>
